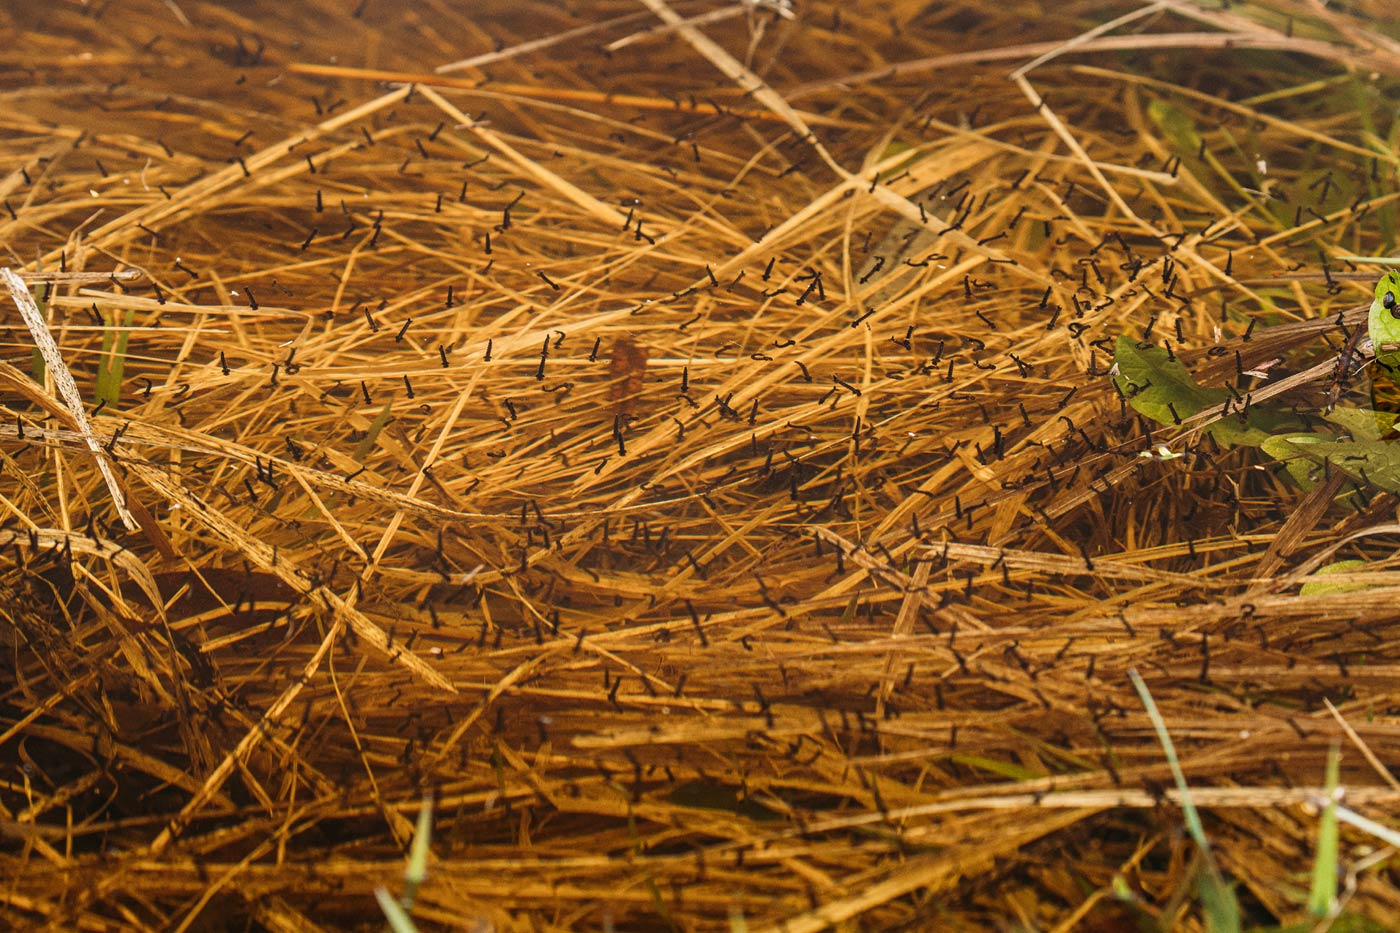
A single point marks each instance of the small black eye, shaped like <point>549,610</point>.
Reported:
<point>1388,302</point>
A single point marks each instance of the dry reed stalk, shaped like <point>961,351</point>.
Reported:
<point>715,503</point>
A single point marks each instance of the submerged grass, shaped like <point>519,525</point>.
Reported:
<point>687,451</point>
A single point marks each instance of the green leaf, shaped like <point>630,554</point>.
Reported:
<point>1218,901</point>
<point>1157,385</point>
<point>1382,324</point>
<point>1362,423</point>
<point>1319,587</point>
<point>1176,124</point>
<point>1372,461</point>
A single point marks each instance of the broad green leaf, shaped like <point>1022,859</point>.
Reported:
<point>1320,587</point>
<point>1372,461</point>
<point>1362,424</point>
<point>1157,385</point>
<point>1383,322</point>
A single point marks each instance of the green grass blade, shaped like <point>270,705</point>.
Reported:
<point>1221,908</point>
<point>112,363</point>
<point>417,871</point>
<point>1322,899</point>
<point>399,920</point>
<point>1366,825</point>
<point>366,446</point>
<point>1375,260</point>
<point>1188,807</point>
<point>37,366</point>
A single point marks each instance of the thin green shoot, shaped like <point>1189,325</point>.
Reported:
<point>1322,899</point>
<point>112,363</point>
<point>1188,806</point>
<point>416,872</point>
<point>1383,833</point>
<point>1375,260</point>
<point>365,446</point>
<point>399,920</point>
<point>1221,909</point>
<point>36,357</point>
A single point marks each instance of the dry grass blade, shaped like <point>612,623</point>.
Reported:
<point>67,388</point>
<point>679,442</point>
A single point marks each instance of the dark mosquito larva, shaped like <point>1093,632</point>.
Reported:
<point>845,385</point>
<point>802,299</point>
<point>617,436</point>
<point>879,264</point>
<point>544,357</point>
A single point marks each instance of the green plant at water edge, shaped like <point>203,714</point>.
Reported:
<point>1217,896</point>
<point>396,909</point>
<point>1358,441</point>
<point>112,362</point>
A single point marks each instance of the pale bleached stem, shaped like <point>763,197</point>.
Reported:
<point>67,388</point>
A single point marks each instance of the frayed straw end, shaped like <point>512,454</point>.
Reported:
<point>67,387</point>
